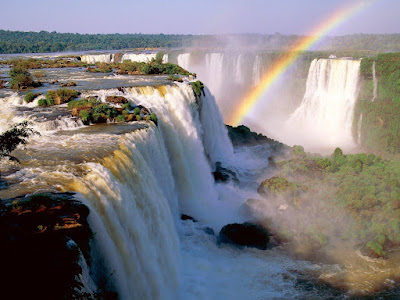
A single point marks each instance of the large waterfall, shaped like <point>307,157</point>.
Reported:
<point>135,183</point>
<point>325,116</point>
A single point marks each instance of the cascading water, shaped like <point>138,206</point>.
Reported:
<point>141,57</point>
<point>184,61</point>
<point>214,65</point>
<point>325,116</point>
<point>375,82</point>
<point>92,59</point>
<point>257,70</point>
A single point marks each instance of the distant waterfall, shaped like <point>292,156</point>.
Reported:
<point>141,57</point>
<point>359,130</point>
<point>325,115</point>
<point>184,61</point>
<point>375,81</point>
<point>95,58</point>
<point>239,70</point>
<point>257,70</point>
<point>110,58</point>
<point>215,66</point>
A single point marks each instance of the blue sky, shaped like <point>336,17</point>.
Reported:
<point>197,17</point>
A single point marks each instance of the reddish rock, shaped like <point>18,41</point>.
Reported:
<point>116,99</point>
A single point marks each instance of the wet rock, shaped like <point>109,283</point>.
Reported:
<point>68,84</point>
<point>42,237</point>
<point>121,89</point>
<point>222,174</point>
<point>186,217</point>
<point>245,234</point>
<point>116,99</point>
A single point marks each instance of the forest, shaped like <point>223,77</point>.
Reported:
<point>43,41</point>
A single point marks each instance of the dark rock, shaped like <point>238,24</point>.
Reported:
<point>116,99</point>
<point>209,230</point>
<point>42,237</point>
<point>54,82</point>
<point>222,174</point>
<point>186,217</point>
<point>121,89</point>
<point>245,234</point>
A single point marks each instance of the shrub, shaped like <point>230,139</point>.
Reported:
<point>21,78</point>
<point>84,114</point>
<point>138,118</point>
<point>120,118</point>
<point>136,111</point>
<point>198,88</point>
<point>30,97</point>
<point>42,102</point>
<point>153,118</point>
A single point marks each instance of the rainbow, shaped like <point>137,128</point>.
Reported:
<point>283,62</point>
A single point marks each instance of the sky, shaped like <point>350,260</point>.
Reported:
<point>194,17</point>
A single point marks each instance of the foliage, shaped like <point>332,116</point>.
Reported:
<point>12,138</point>
<point>365,186</point>
<point>380,129</point>
<point>152,67</point>
<point>21,78</point>
<point>94,111</point>
<point>198,88</point>
<point>30,97</point>
<point>34,42</point>
<point>37,63</point>
<point>153,118</point>
<point>60,96</point>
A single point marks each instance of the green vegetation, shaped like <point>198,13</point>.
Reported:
<point>95,111</point>
<point>152,67</point>
<point>30,97</point>
<point>34,42</point>
<point>12,138</point>
<point>60,96</point>
<point>21,79</point>
<point>380,127</point>
<point>362,189</point>
<point>36,63</point>
<point>198,88</point>
<point>100,68</point>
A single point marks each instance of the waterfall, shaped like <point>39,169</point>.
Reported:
<point>375,82</point>
<point>215,66</point>
<point>139,57</point>
<point>131,195</point>
<point>136,184</point>
<point>325,115</point>
<point>92,59</point>
<point>359,130</point>
<point>165,58</point>
<point>257,70</point>
<point>184,61</point>
<point>239,70</point>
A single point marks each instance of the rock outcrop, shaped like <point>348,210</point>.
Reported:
<point>245,234</point>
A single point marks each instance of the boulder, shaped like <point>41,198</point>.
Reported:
<point>43,237</point>
<point>222,174</point>
<point>116,99</point>
<point>68,84</point>
<point>186,217</point>
<point>76,110</point>
<point>245,234</point>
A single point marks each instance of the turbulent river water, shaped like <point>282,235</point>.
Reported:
<point>138,178</point>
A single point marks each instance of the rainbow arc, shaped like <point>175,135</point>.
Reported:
<point>283,62</point>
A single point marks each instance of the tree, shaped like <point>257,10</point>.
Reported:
<point>12,138</point>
